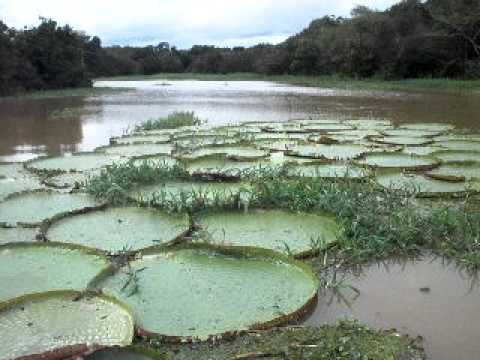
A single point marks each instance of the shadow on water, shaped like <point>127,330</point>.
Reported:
<point>58,125</point>
<point>427,297</point>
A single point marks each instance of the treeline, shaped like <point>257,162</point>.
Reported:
<point>435,38</point>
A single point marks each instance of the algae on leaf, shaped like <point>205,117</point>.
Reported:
<point>39,267</point>
<point>61,324</point>
<point>200,291</point>
<point>289,232</point>
<point>119,229</point>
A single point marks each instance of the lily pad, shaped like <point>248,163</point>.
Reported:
<point>69,180</point>
<point>139,139</point>
<point>289,232</point>
<point>428,126</point>
<point>138,150</point>
<point>234,152</point>
<point>76,162</point>
<point>220,165</point>
<point>327,171</point>
<point>372,124</point>
<point>421,150</point>
<point>403,140</point>
<point>327,127</point>
<point>460,145</point>
<point>61,324</point>
<point>12,170</point>
<point>13,235</point>
<point>34,207</point>
<point>457,156</point>
<point>422,185</point>
<point>399,160</point>
<point>9,186</point>
<point>163,160</point>
<point>119,229</point>
<point>459,171</point>
<point>277,145</point>
<point>38,267</point>
<point>201,291</point>
<point>411,133</point>
<point>331,152</point>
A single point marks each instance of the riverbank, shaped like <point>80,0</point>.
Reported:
<point>65,93</point>
<point>329,82</point>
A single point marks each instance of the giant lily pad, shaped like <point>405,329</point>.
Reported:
<point>56,325</point>
<point>145,139</point>
<point>422,185</point>
<point>456,171</point>
<point>428,127</point>
<point>411,133</point>
<point>327,127</point>
<point>233,152</point>
<point>399,160</point>
<point>403,140</point>
<point>177,191</point>
<point>13,235</point>
<point>77,162</point>
<point>138,150</point>
<point>371,124</point>
<point>421,150</point>
<point>154,161</point>
<point>457,156</point>
<point>117,229</point>
<point>75,180</point>
<point>200,291</point>
<point>220,165</point>
<point>331,152</point>
<point>326,171</point>
<point>35,207</point>
<point>12,170</point>
<point>459,145</point>
<point>284,231</point>
<point>38,267</point>
<point>10,186</point>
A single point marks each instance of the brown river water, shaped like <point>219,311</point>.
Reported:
<point>447,315</point>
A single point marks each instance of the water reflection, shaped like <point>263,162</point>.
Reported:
<point>426,297</point>
<point>80,124</point>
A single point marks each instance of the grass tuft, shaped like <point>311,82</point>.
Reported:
<point>172,121</point>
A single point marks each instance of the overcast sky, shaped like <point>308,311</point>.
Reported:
<point>182,22</point>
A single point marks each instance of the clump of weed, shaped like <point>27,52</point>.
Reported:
<point>172,121</point>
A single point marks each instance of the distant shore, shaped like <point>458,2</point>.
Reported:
<point>334,82</point>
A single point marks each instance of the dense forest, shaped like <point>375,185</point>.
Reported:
<point>433,38</point>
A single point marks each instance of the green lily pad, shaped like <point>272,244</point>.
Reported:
<point>465,171</point>
<point>220,165</point>
<point>399,160</point>
<point>62,324</point>
<point>422,185</point>
<point>372,124</point>
<point>421,150</point>
<point>327,127</point>
<point>277,145</point>
<point>119,229</point>
<point>138,150</point>
<point>459,137</point>
<point>34,207</point>
<point>77,162</point>
<point>195,142</point>
<point>201,291</point>
<point>330,152</point>
<point>208,191</point>
<point>326,171</point>
<point>279,137</point>
<point>403,140</point>
<point>10,186</point>
<point>411,133</point>
<point>38,267</point>
<point>428,127</point>
<point>289,232</point>
<point>69,180</point>
<point>160,160</point>
<point>460,145</point>
<point>12,170</point>
<point>13,235</point>
<point>235,152</point>
<point>141,139</point>
<point>457,156</point>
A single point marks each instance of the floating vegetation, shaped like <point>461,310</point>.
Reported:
<point>32,208</point>
<point>12,170</point>
<point>448,156</point>
<point>220,165</point>
<point>330,152</point>
<point>399,160</point>
<point>62,324</point>
<point>421,150</point>
<point>456,171</point>
<point>175,120</point>
<point>403,140</point>
<point>140,139</point>
<point>327,171</point>
<point>41,267</point>
<point>72,180</point>
<point>74,163</point>
<point>137,150</point>
<point>409,133</point>
<point>459,145</point>
<point>156,161</point>
<point>119,229</point>
<point>284,231</point>
<point>438,127</point>
<point>199,291</point>
<point>422,185</point>
<point>9,186</point>
<point>14,235</point>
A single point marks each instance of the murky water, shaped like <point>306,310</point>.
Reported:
<point>82,123</point>
<point>427,298</point>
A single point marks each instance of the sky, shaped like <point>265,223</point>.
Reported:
<point>182,23</point>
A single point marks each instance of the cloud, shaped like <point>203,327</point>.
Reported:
<point>181,22</point>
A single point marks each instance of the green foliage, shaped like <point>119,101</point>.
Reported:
<point>172,121</point>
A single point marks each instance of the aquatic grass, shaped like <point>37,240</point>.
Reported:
<point>172,121</point>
